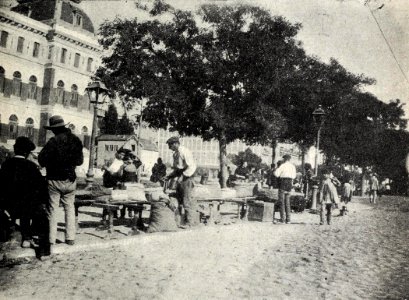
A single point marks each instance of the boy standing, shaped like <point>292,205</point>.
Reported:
<point>328,197</point>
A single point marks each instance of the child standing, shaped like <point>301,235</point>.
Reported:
<point>328,197</point>
<point>346,197</point>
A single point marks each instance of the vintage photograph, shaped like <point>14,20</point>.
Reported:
<point>204,149</point>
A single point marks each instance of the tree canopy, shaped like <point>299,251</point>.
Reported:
<point>237,72</point>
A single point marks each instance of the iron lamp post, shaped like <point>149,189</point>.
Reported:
<point>94,88</point>
<point>318,115</point>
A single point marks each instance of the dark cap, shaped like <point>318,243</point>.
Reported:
<point>173,139</point>
<point>55,122</point>
<point>287,157</point>
<point>23,145</point>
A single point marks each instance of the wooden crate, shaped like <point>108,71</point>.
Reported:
<point>260,211</point>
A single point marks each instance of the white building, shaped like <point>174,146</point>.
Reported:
<point>48,50</point>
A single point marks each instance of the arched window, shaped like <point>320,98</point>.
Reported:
<point>30,128</point>
<point>74,95</point>
<point>84,130</point>
<point>60,92</point>
<point>72,128</point>
<point>16,91</point>
<point>13,127</point>
<point>32,88</point>
<point>2,75</point>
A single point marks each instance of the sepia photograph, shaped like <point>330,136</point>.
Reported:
<point>204,149</point>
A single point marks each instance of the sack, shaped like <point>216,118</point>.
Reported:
<point>162,218</point>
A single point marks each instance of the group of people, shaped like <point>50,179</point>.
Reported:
<point>124,168</point>
<point>31,198</point>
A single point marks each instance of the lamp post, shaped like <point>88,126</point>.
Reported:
<point>138,148</point>
<point>95,87</point>
<point>318,115</point>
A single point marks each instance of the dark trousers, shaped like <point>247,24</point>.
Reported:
<point>328,208</point>
<point>184,194</point>
<point>285,205</point>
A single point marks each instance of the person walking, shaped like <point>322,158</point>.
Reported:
<point>184,167</point>
<point>328,197</point>
<point>60,155</point>
<point>285,173</point>
<point>24,196</point>
<point>373,188</point>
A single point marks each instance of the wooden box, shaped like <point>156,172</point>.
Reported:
<point>260,211</point>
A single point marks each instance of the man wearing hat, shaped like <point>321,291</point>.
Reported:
<point>285,173</point>
<point>24,195</point>
<point>184,167</point>
<point>60,156</point>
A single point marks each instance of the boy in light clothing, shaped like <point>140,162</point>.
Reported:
<point>328,197</point>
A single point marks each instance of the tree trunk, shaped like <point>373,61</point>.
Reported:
<point>223,159</point>
<point>303,150</point>
<point>274,153</point>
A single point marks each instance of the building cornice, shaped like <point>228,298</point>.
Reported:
<point>23,22</point>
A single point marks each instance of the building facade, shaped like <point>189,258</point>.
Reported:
<point>48,51</point>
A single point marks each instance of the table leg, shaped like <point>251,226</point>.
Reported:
<point>110,221</point>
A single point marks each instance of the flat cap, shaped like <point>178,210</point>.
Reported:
<point>173,139</point>
<point>287,156</point>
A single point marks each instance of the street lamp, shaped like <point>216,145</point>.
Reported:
<point>318,115</point>
<point>93,90</point>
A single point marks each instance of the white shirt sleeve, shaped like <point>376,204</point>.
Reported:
<point>189,162</point>
<point>115,166</point>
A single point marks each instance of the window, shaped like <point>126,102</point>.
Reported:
<point>16,91</point>
<point>32,88</point>
<point>2,75</point>
<point>20,44</point>
<point>29,128</point>
<point>74,95</point>
<point>63,55</point>
<point>89,64</point>
<point>59,95</point>
<point>84,130</point>
<point>3,38</point>
<point>78,20</point>
<point>36,49</point>
<point>77,60</point>
<point>13,127</point>
<point>106,147</point>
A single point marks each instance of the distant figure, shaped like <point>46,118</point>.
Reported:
<point>60,156</point>
<point>112,174</point>
<point>286,173</point>
<point>307,179</point>
<point>242,172</point>
<point>373,188</point>
<point>158,171</point>
<point>346,197</point>
<point>184,168</point>
<point>205,176</point>
<point>271,179</point>
<point>24,196</point>
<point>328,197</point>
<point>130,167</point>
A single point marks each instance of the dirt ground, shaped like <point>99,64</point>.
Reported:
<point>360,256</point>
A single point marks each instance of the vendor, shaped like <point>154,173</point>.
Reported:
<point>113,172</point>
<point>130,167</point>
<point>242,172</point>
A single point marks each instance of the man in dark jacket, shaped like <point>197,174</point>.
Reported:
<point>24,195</point>
<point>60,156</point>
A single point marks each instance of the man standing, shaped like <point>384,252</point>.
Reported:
<point>184,167</point>
<point>286,173</point>
<point>60,156</point>
<point>373,188</point>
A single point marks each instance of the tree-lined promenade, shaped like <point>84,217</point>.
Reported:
<point>237,72</point>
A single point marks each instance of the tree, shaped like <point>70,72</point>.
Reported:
<point>204,80</point>
<point>125,126</point>
<point>109,123</point>
<point>252,159</point>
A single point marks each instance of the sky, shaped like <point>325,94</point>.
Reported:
<point>342,29</point>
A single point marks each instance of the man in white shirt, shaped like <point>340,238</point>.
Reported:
<point>184,167</point>
<point>286,173</point>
